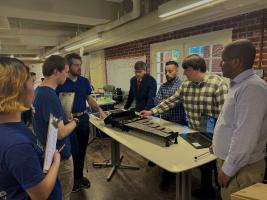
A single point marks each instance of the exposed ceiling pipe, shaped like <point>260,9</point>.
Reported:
<point>134,14</point>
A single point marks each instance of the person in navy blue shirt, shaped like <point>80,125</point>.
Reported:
<point>79,139</point>
<point>46,102</point>
<point>21,156</point>
<point>143,89</point>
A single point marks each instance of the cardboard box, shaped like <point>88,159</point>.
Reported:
<point>254,192</point>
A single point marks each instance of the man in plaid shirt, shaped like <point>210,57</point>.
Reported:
<point>167,89</point>
<point>200,94</point>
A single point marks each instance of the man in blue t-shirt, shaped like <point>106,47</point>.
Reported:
<point>46,102</point>
<point>79,139</point>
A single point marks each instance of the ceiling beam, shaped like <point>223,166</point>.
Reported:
<point>90,12</point>
<point>20,51</point>
<point>152,25</point>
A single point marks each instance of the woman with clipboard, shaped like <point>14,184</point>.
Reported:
<point>21,156</point>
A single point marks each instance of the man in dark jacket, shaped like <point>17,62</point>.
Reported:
<point>142,88</point>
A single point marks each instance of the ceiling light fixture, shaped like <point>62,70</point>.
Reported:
<point>83,43</point>
<point>36,58</point>
<point>170,9</point>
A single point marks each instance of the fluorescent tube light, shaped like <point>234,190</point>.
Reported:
<point>29,58</point>
<point>78,45</point>
<point>184,8</point>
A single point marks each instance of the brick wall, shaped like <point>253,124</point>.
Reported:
<point>250,26</point>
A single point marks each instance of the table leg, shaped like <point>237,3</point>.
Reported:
<point>183,185</point>
<point>116,160</point>
<point>92,132</point>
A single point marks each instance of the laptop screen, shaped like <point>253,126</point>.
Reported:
<point>207,125</point>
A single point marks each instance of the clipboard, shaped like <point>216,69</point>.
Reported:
<point>67,99</point>
<point>51,142</point>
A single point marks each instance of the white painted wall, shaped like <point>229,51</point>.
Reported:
<point>97,69</point>
<point>37,68</point>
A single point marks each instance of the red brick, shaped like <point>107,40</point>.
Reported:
<point>244,26</point>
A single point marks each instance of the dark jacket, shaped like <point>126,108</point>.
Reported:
<point>144,95</point>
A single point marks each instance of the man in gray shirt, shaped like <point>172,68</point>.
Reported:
<point>241,131</point>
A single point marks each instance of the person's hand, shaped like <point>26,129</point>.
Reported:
<point>56,157</point>
<point>146,113</point>
<point>70,118</point>
<point>223,179</point>
<point>211,149</point>
<point>102,115</point>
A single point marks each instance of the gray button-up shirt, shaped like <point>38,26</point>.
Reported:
<point>241,131</point>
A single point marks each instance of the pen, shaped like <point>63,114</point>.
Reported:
<point>196,157</point>
<point>61,148</point>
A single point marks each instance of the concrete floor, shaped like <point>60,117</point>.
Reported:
<point>142,184</point>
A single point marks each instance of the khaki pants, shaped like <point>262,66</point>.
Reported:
<point>66,177</point>
<point>246,176</point>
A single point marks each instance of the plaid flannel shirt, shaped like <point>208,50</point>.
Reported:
<point>167,89</point>
<point>206,97</point>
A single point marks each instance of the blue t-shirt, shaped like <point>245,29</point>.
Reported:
<point>46,102</point>
<point>21,162</point>
<point>81,87</point>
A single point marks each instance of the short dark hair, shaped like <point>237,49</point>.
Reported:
<point>196,62</point>
<point>242,49</point>
<point>52,63</point>
<point>32,73</point>
<point>71,56</point>
<point>140,65</point>
<point>171,62</point>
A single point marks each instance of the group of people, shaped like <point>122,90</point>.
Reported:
<point>239,139</point>
<point>240,133</point>
<point>22,149</point>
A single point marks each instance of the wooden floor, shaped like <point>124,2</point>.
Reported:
<point>142,184</point>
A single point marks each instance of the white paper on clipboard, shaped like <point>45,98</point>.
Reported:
<point>67,99</point>
<point>51,143</point>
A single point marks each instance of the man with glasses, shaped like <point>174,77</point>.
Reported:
<point>200,94</point>
<point>142,89</point>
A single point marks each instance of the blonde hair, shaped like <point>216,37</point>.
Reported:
<point>13,77</point>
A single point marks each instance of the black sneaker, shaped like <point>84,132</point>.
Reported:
<point>83,182</point>
<point>76,188</point>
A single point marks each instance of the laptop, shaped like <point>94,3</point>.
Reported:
<point>202,138</point>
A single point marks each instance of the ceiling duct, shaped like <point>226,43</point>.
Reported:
<point>79,40</point>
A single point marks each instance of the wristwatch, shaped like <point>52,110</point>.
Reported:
<point>77,121</point>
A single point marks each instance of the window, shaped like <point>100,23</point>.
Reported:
<point>162,58</point>
<point>211,54</point>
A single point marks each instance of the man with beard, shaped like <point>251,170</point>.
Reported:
<point>79,138</point>
<point>167,89</point>
<point>176,114</point>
